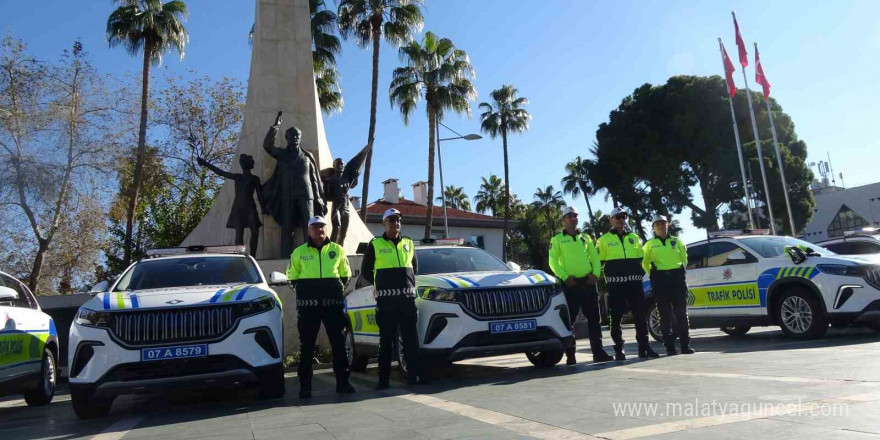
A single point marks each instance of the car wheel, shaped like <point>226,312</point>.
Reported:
<point>736,330</point>
<point>545,359</point>
<point>800,316</point>
<point>86,406</point>
<point>270,383</point>
<point>398,352</point>
<point>45,390</point>
<point>653,314</point>
<point>355,362</point>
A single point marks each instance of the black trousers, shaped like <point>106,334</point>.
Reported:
<point>585,298</point>
<point>308,323</point>
<point>398,314</point>
<point>623,297</point>
<point>670,290</point>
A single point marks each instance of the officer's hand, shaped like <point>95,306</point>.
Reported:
<point>374,294</point>
<point>570,283</point>
<point>592,280</point>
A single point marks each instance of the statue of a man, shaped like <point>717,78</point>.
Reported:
<point>294,193</point>
<point>337,183</point>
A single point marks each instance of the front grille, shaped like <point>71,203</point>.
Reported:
<point>172,326</point>
<point>508,301</point>
<point>872,276</point>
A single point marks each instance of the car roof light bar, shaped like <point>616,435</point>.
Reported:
<point>231,249</point>
<point>738,233</point>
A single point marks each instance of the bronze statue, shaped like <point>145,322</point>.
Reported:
<point>337,182</point>
<point>244,211</point>
<point>294,193</point>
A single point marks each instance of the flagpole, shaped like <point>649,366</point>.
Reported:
<point>779,160</point>
<point>739,153</point>
<point>758,146</point>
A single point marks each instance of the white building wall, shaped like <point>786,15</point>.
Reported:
<point>863,200</point>
<point>492,238</point>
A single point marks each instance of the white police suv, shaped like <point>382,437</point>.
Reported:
<point>740,279</point>
<point>28,344</point>
<point>470,305</point>
<point>187,317</point>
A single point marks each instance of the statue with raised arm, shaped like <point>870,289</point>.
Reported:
<point>294,192</point>
<point>337,182</point>
<point>244,214</point>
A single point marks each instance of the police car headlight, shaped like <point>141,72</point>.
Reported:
<point>255,307</point>
<point>93,318</point>
<point>437,294</point>
<point>844,270</point>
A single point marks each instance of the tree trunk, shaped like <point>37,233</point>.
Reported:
<point>139,162</point>
<point>432,124</point>
<point>589,209</point>
<point>38,265</point>
<point>506,194</point>
<point>365,191</point>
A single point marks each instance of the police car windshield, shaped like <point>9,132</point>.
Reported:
<point>459,259</point>
<point>187,272</point>
<point>770,247</point>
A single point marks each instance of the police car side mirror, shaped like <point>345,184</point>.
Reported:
<point>277,279</point>
<point>100,287</point>
<point>796,254</point>
<point>513,266</point>
<point>7,294</point>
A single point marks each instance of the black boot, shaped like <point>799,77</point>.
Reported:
<point>570,357</point>
<point>619,354</point>
<point>647,352</point>
<point>344,387</point>
<point>601,356</point>
<point>669,342</point>
<point>383,384</point>
<point>305,392</point>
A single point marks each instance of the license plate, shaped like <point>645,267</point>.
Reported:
<point>176,352</point>
<point>522,325</point>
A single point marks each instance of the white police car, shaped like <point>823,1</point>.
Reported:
<point>188,317</point>
<point>28,345</point>
<point>470,305</point>
<point>741,279</point>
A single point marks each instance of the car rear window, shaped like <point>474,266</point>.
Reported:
<point>463,259</point>
<point>187,272</point>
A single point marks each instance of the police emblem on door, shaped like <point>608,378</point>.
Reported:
<point>727,274</point>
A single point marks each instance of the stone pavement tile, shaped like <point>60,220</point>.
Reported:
<point>311,431</point>
<point>157,426</point>
<point>863,417</point>
<point>841,435</point>
<point>463,428</point>
<point>758,429</point>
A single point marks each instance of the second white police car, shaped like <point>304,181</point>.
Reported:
<point>470,305</point>
<point>188,317</point>
<point>741,279</point>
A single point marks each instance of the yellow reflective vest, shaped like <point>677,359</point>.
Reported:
<point>664,254</point>
<point>319,273</point>
<point>390,265</point>
<point>573,256</point>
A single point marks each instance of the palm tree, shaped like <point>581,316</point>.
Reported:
<point>154,28</point>
<point>549,201</point>
<point>490,197</point>
<point>443,73</point>
<point>367,21</point>
<point>455,198</point>
<point>325,47</point>
<point>577,181</point>
<point>505,115</point>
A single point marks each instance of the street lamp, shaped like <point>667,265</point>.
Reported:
<point>467,137</point>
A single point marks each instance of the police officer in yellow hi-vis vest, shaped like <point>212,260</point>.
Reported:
<point>319,272</point>
<point>621,253</point>
<point>665,261</point>
<point>574,260</point>
<point>390,265</point>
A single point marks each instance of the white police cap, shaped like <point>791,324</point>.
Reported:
<point>317,220</point>
<point>390,213</point>
<point>569,210</point>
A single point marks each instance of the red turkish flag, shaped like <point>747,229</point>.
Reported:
<point>743,55</point>
<point>760,78</point>
<point>728,71</point>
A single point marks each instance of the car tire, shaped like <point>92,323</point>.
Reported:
<point>398,353</point>
<point>736,330</point>
<point>800,315</point>
<point>270,383</point>
<point>653,315</point>
<point>545,359</point>
<point>355,361</point>
<point>86,406</point>
<point>45,389</point>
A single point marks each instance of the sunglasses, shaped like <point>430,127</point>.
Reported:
<point>393,220</point>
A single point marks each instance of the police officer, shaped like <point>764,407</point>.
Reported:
<point>319,272</point>
<point>574,261</point>
<point>665,260</point>
<point>620,251</point>
<point>390,265</point>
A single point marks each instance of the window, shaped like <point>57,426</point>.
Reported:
<point>845,220</point>
<point>771,247</point>
<point>724,253</point>
<point>457,259</point>
<point>863,247</point>
<point>361,283</point>
<point>189,271</point>
<point>24,300</point>
<point>478,241</point>
<point>838,248</point>
<point>697,256</point>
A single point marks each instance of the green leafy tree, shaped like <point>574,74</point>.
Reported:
<point>456,198</point>
<point>577,182</point>
<point>599,224</point>
<point>490,197</point>
<point>154,28</point>
<point>503,115</point>
<point>551,203</point>
<point>441,74</point>
<point>368,21</point>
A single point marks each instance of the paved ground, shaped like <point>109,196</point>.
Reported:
<point>761,386</point>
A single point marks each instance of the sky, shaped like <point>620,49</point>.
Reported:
<point>574,60</point>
